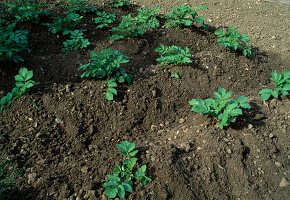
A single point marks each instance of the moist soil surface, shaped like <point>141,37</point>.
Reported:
<point>62,136</point>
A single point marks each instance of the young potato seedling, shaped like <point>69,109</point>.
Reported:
<point>23,84</point>
<point>120,3</point>
<point>282,84</point>
<point>12,42</point>
<point>106,64</point>
<point>104,19</point>
<point>173,55</point>
<point>69,22</point>
<point>30,11</point>
<point>223,109</point>
<point>135,26</point>
<point>183,16</point>
<point>77,41</point>
<point>122,179</point>
<point>234,40</point>
<point>78,6</point>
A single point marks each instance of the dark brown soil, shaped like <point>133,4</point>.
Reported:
<point>67,147</point>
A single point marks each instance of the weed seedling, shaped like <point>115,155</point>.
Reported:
<point>223,109</point>
<point>234,40</point>
<point>106,65</point>
<point>183,16</point>
<point>12,42</point>
<point>77,41</point>
<point>176,74</point>
<point>173,55</point>
<point>123,177</point>
<point>282,84</point>
<point>23,84</point>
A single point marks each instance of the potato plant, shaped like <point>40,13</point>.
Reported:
<point>31,11</point>
<point>123,177</point>
<point>223,109</point>
<point>23,10</point>
<point>23,84</point>
<point>136,26</point>
<point>120,3</point>
<point>69,22</point>
<point>234,40</point>
<point>77,41</point>
<point>173,55</point>
<point>282,84</point>
<point>12,42</point>
<point>183,16</point>
<point>106,65</point>
<point>104,19</point>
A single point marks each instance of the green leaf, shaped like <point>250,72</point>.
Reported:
<point>275,93</point>
<point>222,91</point>
<point>245,105</point>
<point>112,90</point>
<point>94,54</point>
<point>113,178</point>
<point>286,87</point>
<point>133,153</point>
<point>217,96</point>
<point>121,79</point>
<point>236,112</point>
<point>142,168</point>
<point>123,146</point>
<point>242,99</point>
<point>111,192</point>
<point>19,78</point>
<point>19,84</point>
<point>127,187</point>
<point>121,191</point>
<point>109,96</point>
<point>112,84</point>
<point>265,96</point>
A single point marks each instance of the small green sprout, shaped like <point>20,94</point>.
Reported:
<point>282,84</point>
<point>122,179</point>
<point>183,16</point>
<point>234,40</point>
<point>176,74</point>
<point>223,109</point>
<point>173,55</point>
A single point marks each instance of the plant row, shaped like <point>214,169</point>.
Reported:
<point>13,42</point>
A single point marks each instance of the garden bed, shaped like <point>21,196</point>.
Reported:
<point>63,135</point>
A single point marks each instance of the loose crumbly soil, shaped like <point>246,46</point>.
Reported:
<point>66,148</point>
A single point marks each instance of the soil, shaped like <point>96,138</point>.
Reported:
<point>62,136</point>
